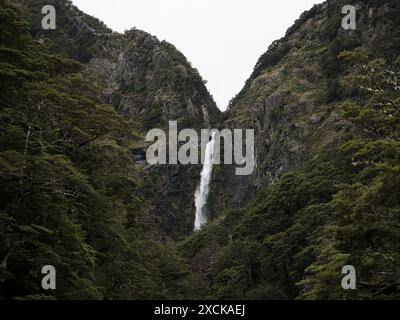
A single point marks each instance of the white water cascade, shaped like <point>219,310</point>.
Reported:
<point>203,189</point>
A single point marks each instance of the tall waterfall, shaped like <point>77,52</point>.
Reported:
<point>203,189</point>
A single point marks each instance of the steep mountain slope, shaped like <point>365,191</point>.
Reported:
<point>144,78</point>
<point>324,104</point>
<point>76,33</point>
<point>293,95</point>
<point>150,83</point>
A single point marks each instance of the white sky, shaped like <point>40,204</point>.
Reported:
<point>222,38</point>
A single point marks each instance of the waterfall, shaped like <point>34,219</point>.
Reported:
<point>203,189</point>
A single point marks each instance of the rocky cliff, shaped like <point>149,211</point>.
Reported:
<point>292,98</point>
<point>144,78</point>
<point>149,82</point>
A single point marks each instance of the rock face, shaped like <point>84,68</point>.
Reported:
<point>146,79</point>
<point>150,82</point>
<point>291,100</point>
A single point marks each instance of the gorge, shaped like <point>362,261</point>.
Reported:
<point>77,192</point>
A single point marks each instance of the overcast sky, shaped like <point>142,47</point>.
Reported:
<point>222,38</point>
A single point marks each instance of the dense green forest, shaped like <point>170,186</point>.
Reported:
<point>341,208</point>
<point>72,195</point>
<point>68,187</point>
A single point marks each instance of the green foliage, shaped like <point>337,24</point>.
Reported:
<point>276,53</point>
<point>69,190</point>
<point>75,34</point>
<point>340,209</point>
<point>364,232</point>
